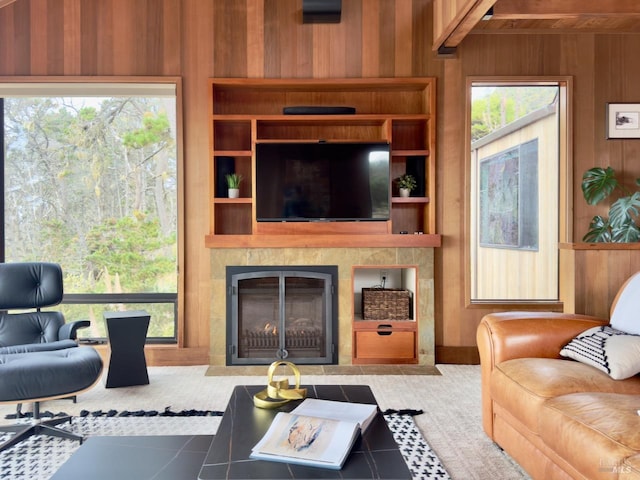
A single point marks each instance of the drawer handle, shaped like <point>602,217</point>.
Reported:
<point>381,330</point>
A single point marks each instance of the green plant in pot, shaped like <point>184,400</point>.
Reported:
<point>233,183</point>
<point>622,224</point>
<point>406,183</point>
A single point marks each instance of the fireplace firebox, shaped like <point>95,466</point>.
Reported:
<point>282,313</point>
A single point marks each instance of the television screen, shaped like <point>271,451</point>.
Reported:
<point>298,182</point>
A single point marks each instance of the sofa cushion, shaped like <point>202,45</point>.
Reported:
<point>34,375</point>
<point>624,314</point>
<point>522,385</point>
<point>39,347</point>
<point>594,432</point>
<point>613,351</point>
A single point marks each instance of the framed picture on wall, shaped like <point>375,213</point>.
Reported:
<point>623,120</point>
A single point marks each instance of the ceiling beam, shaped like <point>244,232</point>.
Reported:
<point>4,3</point>
<point>477,12</point>
<point>454,19</point>
<point>556,9</point>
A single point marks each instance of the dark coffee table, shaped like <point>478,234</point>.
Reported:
<point>374,455</point>
<point>174,457</point>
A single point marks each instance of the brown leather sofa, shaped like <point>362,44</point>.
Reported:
<point>558,418</point>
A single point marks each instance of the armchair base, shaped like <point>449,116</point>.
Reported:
<point>22,431</point>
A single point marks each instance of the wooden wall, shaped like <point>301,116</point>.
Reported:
<point>604,69</point>
<point>197,39</point>
<point>596,274</point>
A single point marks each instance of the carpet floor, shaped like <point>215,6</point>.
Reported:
<point>451,422</point>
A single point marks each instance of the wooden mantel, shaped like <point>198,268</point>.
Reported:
<point>323,241</point>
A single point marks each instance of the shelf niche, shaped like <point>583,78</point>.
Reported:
<point>385,340</point>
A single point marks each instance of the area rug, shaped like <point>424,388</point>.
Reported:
<point>38,458</point>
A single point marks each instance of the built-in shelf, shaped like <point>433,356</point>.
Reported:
<point>410,199</point>
<point>245,112</point>
<point>233,200</point>
<point>385,339</point>
<point>600,246</point>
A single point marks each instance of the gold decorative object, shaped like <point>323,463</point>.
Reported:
<point>278,392</point>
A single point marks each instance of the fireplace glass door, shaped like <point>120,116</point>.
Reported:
<point>281,315</point>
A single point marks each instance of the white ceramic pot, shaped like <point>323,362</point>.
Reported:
<point>234,192</point>
<point>404,192</point>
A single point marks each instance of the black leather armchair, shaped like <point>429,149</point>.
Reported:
<point>33,286</point>
<point>39,357</point>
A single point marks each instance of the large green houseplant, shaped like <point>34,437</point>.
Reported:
<point>622,224</point>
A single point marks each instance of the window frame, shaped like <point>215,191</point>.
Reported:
<point>565,181</point>
<point>130,84</point>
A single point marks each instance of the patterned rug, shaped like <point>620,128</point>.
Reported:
<point>39,457</point>
<point>422,461</point>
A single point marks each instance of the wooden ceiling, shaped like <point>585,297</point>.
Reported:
<point>465,17</point>
<point>4,3</point>
<point>455,19</point>
<point>560,16</point>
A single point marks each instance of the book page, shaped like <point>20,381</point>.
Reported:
<point>360,413</point>
<point>309,440</point>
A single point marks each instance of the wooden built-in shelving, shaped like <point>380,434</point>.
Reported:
<point>249,111</point>
<point>384,341</point>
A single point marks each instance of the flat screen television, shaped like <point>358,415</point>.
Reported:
<point>306,182</point>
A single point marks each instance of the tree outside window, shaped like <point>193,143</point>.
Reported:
<point>91,183</point>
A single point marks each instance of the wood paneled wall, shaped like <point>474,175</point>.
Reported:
<point>197,39</point>
<point>603,67</point>
<point>597,274</point>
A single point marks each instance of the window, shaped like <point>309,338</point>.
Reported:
<point>518,161</point>
<point>90,174</point>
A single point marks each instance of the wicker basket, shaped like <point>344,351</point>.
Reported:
<point>386,304</point>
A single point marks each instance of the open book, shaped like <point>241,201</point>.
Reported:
<point>318,433</point>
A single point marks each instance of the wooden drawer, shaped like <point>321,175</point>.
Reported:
<point>384,347</point>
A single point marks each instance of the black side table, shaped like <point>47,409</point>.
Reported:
<point>127,332</point>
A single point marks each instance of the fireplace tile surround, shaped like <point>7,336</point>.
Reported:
<point>345,259</point>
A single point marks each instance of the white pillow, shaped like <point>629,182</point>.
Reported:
<point>625,311</point>
<point>612,351</point>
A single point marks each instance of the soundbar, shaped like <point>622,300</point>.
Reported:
<point>316,110</point>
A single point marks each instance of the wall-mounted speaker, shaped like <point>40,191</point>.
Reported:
<point>321,11</point>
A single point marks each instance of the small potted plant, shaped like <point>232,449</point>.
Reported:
<point>406,183</point>
<point>233,183</point>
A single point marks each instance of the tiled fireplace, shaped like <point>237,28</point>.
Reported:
<point>345,259</point>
